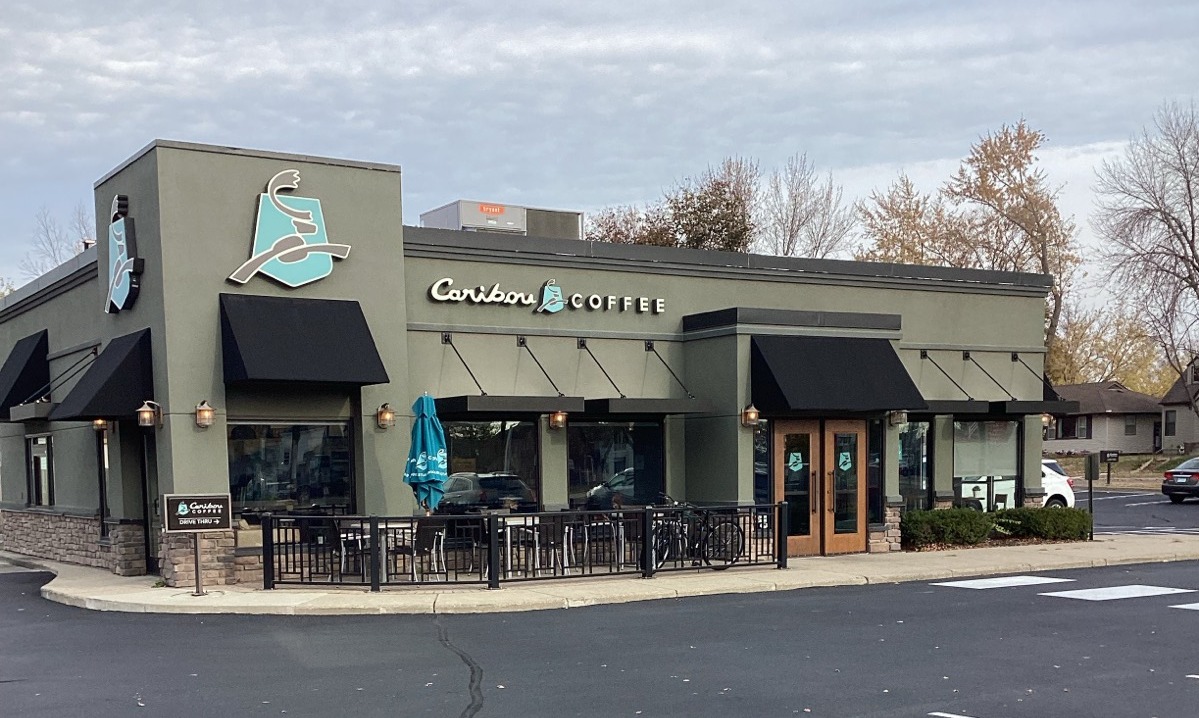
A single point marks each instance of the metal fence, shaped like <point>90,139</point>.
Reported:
<point>493,548</point>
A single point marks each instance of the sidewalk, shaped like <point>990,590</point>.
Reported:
<point>100,590</point>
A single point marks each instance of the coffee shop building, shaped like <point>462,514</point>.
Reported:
<point>260,324</point>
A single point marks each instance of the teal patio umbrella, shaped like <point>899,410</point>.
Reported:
<point>426,468</point>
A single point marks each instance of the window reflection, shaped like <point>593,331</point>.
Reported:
<point>614,463</point>
<point>915,469</point>
<point>285,467</point>
<point>492,464</point>
<point>986,457</point>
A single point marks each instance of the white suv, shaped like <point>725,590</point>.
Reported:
<point>1059,488</point>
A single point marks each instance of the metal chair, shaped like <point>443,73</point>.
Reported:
<point>426,548</point>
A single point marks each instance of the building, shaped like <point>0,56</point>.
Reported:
<point>283,292</point>
<point>1180,425</point>
<point>1110,416</point>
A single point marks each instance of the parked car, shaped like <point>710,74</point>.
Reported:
<point>1182,481</point>
<point>602,496</point>
<point>466,490</point>
<point>1059,488</point>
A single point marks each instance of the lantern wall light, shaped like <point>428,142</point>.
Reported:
<point>149,414</point>
<point>385,417</point>
<point>205,415</point>
<point>750,415</point>
<point>558,420</point>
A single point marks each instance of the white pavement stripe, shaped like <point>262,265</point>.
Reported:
<point>1003,582</point>
<point>939,714</point>
<point>1146,503</point>
<point>1188,607</point>
<point>1192,676</point>
<point>1083,495</point>
<point>1114,593</point>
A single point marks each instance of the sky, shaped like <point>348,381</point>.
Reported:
<point>578,105</point>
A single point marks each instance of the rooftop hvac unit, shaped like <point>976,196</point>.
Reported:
<point>476,216</point>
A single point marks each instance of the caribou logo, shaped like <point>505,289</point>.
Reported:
<point>290,245</point>
<point>124,266</point>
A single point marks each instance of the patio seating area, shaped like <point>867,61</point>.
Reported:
<point>494,547</point>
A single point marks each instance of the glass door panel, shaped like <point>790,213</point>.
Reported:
<point>797,482</point>
<point>845,483</point>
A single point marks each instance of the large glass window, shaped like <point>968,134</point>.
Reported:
<point>614,463</point>
<point>493,464</point>
<point>915,466</point>
<point>1171,422</point>
<point>763,486</point>
<point>986,464</point>
<point>285,467</point>
<point>1073,427</point>
<point>875,496</point>
<point>40,453</point>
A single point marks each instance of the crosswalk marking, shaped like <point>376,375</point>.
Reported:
<point>1188,607</point>
<point>1144,531</point>
<point>1113,593</point>
<point>1003,582</point>
<point>939,714</point>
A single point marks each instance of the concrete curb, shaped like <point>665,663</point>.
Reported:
<point>98,590</point>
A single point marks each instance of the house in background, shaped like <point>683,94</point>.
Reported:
<point>1110,416</point>
<point>1179,423</point>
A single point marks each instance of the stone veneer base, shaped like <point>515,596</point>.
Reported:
<point>73,539</point>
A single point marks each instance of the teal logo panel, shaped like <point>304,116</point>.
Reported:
<point>124,266</point>
<point>290,242</point>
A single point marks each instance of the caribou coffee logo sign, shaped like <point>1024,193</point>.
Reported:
<point>290,245</point>
<point>124,266</point>
<point>550,299</point>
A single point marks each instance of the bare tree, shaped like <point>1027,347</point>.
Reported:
<point>51,244</point>
<point>800,215</point>
<point>715,211</point>
<point>998,211</point>
<point>1148,216</point>
<point>631,225</point>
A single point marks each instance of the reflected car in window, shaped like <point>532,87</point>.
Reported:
<point>604,495</point>
<point>469,490</point>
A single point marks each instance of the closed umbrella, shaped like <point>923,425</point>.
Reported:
<point>426,468</point>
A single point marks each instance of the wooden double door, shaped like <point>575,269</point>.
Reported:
<point>820,471</point>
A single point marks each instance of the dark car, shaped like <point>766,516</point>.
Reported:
<point>1182,481</point>
<point>469,490</point>
<point>605,495</point>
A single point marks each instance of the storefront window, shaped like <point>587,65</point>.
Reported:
<point>614,463</point>
<point>915,466</point>
<point>762,482</point>
<point>874,471</point>
<point>290,467</point>
<point>41,470</point>
<point>986,461</point>
<point>493,465</point>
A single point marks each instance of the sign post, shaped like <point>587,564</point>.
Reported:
<point>1092,469</point>
<point>1109,457</point>
<point>194,514</point>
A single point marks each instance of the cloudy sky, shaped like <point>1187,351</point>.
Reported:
<point>577,105</point>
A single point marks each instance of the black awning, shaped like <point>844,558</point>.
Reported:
<point>26,371</point>
<point>647,406</point>
<point>1057,408</point>
<point>829,374</point>
<point>269,339</point>
<point>475,404</point>
<point>958,406</point>
<point>116,383</point>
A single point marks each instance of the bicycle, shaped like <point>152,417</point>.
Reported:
<point>704,536</point>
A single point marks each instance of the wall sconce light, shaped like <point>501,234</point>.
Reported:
<point>99,425</point>
<point>205,415</point>
<point>149,414</point>
<point>558,420</point>
<point>897,417</point>
<point>750,415</point>
<point>385,417</point>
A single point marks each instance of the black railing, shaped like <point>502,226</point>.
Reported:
<point>494,548</point>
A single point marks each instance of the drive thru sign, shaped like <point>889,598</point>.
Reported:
<point>195,513</point>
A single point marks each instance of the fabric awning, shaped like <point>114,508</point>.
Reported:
<point>647,406</point>
<point>115,384</point>
<point>26,371</point>
<point>277,339</point>
<point>829,374</point>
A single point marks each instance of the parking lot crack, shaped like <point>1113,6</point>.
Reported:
<point>476,671</point>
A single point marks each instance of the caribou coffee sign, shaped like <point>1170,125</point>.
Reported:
<point>550,299</point>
